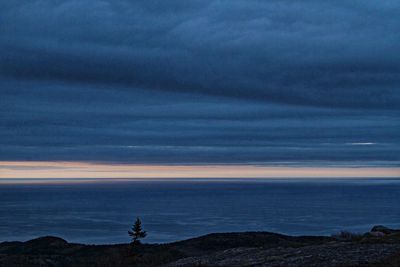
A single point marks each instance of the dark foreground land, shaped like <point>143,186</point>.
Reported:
<point>380,247</point>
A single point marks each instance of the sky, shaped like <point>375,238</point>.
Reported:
<point>266,84</point>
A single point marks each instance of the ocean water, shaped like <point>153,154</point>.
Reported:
<point>102,212</point>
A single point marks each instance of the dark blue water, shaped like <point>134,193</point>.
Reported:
<point>172,210</point>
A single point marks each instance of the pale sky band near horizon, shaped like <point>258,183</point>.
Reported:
<point>54,170</point>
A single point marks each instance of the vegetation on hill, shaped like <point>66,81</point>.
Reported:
<point>379,247</point>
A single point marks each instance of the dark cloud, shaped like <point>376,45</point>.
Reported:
<point>44,121</point>
<point>200,81</point>
<point>309,53</point>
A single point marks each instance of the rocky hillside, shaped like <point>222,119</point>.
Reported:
<point>379,247</point>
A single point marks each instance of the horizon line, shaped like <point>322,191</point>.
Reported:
<point>96,170</point>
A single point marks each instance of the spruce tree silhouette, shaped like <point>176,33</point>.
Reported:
<point>137,232</point>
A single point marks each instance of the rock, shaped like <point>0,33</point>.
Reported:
<point>377,234</point>
<point>383,229</point>
<point>47,241</point>
<point>333,254</point>
<point>220,249</point>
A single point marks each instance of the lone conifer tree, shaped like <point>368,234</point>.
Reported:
<point>137,232</point>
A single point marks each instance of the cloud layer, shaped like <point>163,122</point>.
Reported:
<point>187,82</point>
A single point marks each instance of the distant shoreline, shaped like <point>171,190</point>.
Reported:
<point>27,181</point>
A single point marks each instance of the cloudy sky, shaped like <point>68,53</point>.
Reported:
<point>270,83</point>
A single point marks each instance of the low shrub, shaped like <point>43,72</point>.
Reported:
<point>348,236</point>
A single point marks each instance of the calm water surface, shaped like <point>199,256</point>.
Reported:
<point>102,212</point>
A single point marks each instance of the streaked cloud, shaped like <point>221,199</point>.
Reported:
<point>309,83</point>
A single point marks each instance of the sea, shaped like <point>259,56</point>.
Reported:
<point>101,212</point>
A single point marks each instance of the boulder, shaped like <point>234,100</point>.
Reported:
<point>383,229</point>
<point>377,234</point>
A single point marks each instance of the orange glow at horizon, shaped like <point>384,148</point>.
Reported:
<point>32,169</point>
